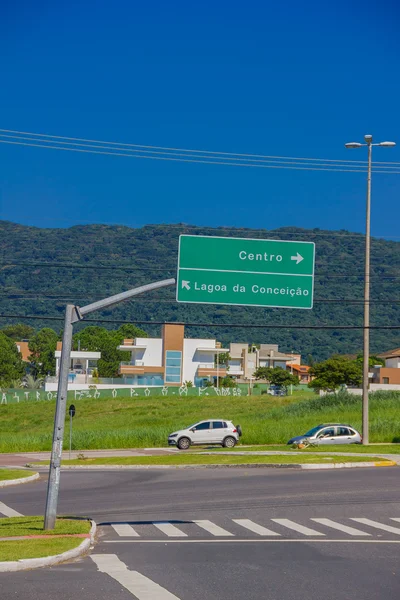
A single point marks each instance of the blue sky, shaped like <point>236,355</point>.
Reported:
<point>287,79</point>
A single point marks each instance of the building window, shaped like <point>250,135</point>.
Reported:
<point>173,365</point>
<point>386,380</point>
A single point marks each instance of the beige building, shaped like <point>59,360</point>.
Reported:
<point>390,373</point>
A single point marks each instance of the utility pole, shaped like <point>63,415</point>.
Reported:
<point>74,314</point>
<point>367,271</point>
<point>291,372</point>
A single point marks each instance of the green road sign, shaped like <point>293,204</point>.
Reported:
<point>245,272</point>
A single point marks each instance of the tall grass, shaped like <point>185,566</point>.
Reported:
<point>146,422</point>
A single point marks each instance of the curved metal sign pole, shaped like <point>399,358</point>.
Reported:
<point>74,314</point>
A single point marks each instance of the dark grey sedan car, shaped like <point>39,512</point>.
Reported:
<point>329,433</point>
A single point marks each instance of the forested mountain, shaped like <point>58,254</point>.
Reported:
<point>43,269</point>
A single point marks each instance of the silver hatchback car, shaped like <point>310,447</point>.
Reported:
<point>330,433</point>
<point>213,431</point>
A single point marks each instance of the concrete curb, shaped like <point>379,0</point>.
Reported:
<point>18,481</point>
<point>385,463</point>
<point>48,561</point>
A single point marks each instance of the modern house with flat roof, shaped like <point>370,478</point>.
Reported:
<point>83,363</point>
<point>172,359</point>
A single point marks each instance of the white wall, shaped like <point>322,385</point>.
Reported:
<point>373,387</point>
<point>235,366</point>
<point>192,359</point>
<point>152,356</point>
<point>393,363</point>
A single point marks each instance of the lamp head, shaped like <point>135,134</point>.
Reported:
<point>353,145</point>
<point>368,139</point>
<point>387,144</point>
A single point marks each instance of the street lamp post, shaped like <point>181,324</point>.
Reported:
<point>365,379</point>
<point>291,372</point>
<point>74,314</point>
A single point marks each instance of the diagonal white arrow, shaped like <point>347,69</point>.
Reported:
<point>298,258</point>
<point>185,284</point>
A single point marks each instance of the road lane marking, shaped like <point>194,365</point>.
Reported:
<point>137,584</point>
<point>212,528</point>
<point>254,527</point>
<point>252,541</point>
<point>395,519</point>
<point>9,512</point>
<point>124,530</point>
<point>169,529</point>
<point>340,527</point>
<point>296,527</point>
<point>377,525</point>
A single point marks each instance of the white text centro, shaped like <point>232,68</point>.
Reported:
<point>265,256</point>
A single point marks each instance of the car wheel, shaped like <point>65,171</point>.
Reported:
<point>184,443</point>
<point>229,442</point>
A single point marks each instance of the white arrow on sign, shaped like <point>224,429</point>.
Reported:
<point>185,285</point>
<point>298,258</point>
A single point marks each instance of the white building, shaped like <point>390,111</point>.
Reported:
<point>83,364</point>
<point>171,360</point>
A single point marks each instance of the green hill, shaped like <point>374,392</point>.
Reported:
<point>42,269</point>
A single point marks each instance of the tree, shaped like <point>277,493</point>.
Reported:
<point>31,383</point>
<point>42,346</point>
<point>19,332</point>
<point>276,376</point>
<point>222,359</point>
<point>227,382</point>
<point>372,361</point>
<point>336,371</point>
<point>310,360</point>
<point>11,365</point>
<point>106,341</point>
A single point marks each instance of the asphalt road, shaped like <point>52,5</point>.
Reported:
<point>223,533</point>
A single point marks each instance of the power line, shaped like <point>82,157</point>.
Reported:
<point>195,160</point>
<point>194,155</point>
<point>32,296</point>
<point>172,149</point>
<point>232,325</point>
<point>162,269</point>
<point>75,266</point>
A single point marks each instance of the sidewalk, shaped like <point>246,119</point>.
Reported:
<point>20,459</point>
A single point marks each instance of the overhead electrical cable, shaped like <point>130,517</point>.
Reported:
<point>233,325</point>
<point>188,159</point>
<point>174,149</point>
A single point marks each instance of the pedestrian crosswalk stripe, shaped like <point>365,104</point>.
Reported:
<point>212,528</point>
<point>8,512</point>
<point>296,527</point>
<point>138,585</point>
<point>254,527</point>
<point>340,527</point>
<point>124,530</point>
<point>169,529</point>
<point>377,525</point>
<point>395,519</point>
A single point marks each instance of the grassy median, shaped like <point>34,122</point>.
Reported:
<point>8,474</point>
<point>32,547</point>
<point>350,448</point>
<point>217,459</point>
